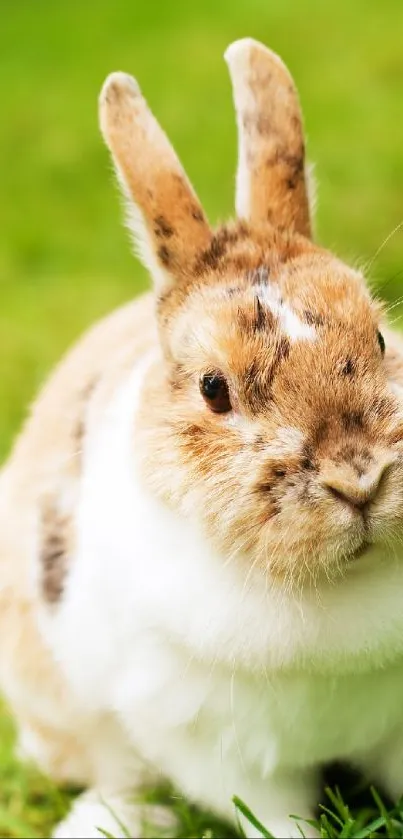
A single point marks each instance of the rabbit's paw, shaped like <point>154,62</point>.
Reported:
<point>94,816</point>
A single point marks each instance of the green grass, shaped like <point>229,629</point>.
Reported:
<point>336,818</point>
<point>64,258</point>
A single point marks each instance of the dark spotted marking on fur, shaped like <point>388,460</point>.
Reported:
<point>283,348</point>
<point>305,494</point>
<point>114,93</point>
<point>233,290</point>
<point>231,235</point>
<point>313,318</point>
<point>348,368</point>
<point>178,377</point>
<point>193,431</point>
<point>197,214</point>
<point>263,319</point>
<point>79,434</point>
<point>257,386</point>
<point>260,276</point>
<point>360,466</point>
<point>255,121</point>
<point>55,534</point>
<point>307,458</point>
<point>169,300</point>
<point>317,436</point>
<point>221,244</point>
<point>359,459</point>
<point>236,263</point>
<point>275,507</point>
<point>396,437</point>
<point>345,454</point>
<point>320,432</point>
<point>163,298</point>
<point>182,184</point>
<point>264,486</point>
<point>196,444</point>
<point>264,489</point>
<point>268,487</point>
<point>210,258</point>
<point>260,319</point>
<point>293,180</point>
<point>352,420</point>
<point>242,230</point>
<point>79,428</point>
<point>193,442</point>
<point>162,229</point>
<point>165,255</point>
<point>252,373</point>
<point>279,473</point>
<point>366,455</point>
<point>293,162</point>
<point>257,381</point>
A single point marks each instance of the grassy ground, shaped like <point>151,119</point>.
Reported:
<point>64,259</point>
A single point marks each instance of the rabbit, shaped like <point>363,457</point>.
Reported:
<point>201,577</point>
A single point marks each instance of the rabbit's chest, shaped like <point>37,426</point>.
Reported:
<point>181,631</point>
<point>259,722</point>
<point>286,720</point>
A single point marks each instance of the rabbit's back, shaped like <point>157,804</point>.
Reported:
<point>39,492</point>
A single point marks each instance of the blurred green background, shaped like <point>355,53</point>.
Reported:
<point>64,255</point>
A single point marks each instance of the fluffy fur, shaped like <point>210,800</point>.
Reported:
<point>212,598</point>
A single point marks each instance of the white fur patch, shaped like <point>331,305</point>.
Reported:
<point>244,102</point>
<point>227,685</point>
<point>270,296</point>
<point>291,325</point>
<point>287,441</point>
<point>247,428</point>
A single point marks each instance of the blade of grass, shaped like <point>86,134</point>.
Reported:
<point>247,813</point>
<point>338,802</point>
<point>370,828</point>
<point>332,815</point>
<point>390,828</point>
<point>118,821</point>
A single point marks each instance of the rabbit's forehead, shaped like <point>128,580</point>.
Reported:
<point>265,304</point>
<point>256,310</point>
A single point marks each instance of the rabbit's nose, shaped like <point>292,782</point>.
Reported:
<point>356,490</point>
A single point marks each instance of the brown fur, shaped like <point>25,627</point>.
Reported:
<point>308,418</point>
<point>56,549</point>
<point>339,413</point>
<point>170,209</point>
<point>271,138</point>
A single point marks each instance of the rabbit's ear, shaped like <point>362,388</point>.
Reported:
<point>271,181</point>
<point>166,219</point>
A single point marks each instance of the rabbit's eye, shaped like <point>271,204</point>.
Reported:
<point>214,390</point>
<point>381,342</point>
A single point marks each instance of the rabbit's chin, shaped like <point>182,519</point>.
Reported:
<point>295,567</point>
